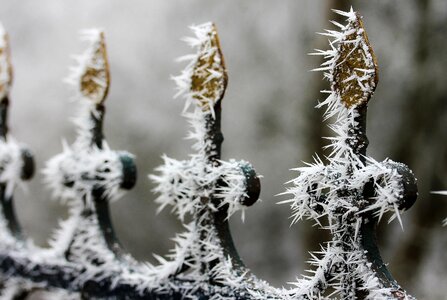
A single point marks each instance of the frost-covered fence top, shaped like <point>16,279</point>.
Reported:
<point>85,260</point>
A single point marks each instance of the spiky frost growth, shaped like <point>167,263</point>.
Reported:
<point>184,184</point>
<point>190,185</point>
<point>336,190</point>
<point>5,64</point>
<point>83,166</point>
<point>203,185</point>
<point>11,160</point>
<point>86,167</point>
<point>75,172</point>
<point>204,79</point>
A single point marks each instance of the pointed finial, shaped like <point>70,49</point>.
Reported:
<point>209,78</point>
<point>355,74</point>
<point>5,64</point>
<point>204,80</point>
<point>92,75</point>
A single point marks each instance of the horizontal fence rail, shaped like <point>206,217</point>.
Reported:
<point>351,192</point>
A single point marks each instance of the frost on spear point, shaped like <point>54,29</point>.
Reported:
<point>204,80</point>
<point>204,184</point>
<point>336,190</point>
<point>84,165</point>
<point>91,76</point>
<point>86,168</point>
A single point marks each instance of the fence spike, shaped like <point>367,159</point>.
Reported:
<point>205,78</point>
<point>89,174</point>
<point>16,161</point>
<point>355,74</point>
<point>16,165</point>
<point>353,190</point>
<point>91,77</point>
<point>205,186</point>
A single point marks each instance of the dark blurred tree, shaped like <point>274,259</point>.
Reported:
<point>420,140</point>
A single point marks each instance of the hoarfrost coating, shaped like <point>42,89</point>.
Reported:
<point>337,190</point>
<point>207,187</point>
<point>203,185</point>
<point>84,168</point>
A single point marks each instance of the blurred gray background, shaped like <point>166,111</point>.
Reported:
<point>268,117</point>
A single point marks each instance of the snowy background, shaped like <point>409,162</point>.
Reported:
<point>268,114</point>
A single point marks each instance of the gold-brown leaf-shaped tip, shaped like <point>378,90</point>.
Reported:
<point>5,64</point>
<point>209,76</point>
<point>355,75</point>
<point>94,79</point>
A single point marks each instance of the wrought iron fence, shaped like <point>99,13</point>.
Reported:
<point>85,260</point>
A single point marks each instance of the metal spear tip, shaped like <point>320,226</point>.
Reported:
<point>209,77</point>
<point>5,64</point>
<point>94,79</point>
<point>355,75</point>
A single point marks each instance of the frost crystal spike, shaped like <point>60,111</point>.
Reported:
<point>353,191</point>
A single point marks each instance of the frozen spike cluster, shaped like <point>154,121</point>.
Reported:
<point>74,173</point>
<point>204,80</point>
<point>184,184</point>
<point>203,186</point>
<point>350,66</point>
<point>5,64</point>
<point>86,170</point>
<point>83,166</point>
<point>11,152</point>
<point>352,190</point>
